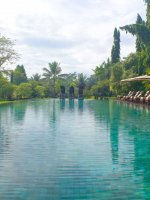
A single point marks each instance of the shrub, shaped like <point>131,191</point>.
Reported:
<point>23,91</point>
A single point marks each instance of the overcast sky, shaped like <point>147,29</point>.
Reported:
<point>76,33</point>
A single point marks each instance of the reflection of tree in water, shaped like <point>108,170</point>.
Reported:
<point>9,114</point>
<point>18,111</point>
<point>47,112</point>
<point>136,120</point>
<point>108,112</point>
<point>49,109</point>
<point>4,126</point>
<point>37,106</point>
<point>114,115</point>
<point>52,115</point>
<point>54,111</point>
<point>101,110</point>
<point>142,161</point>
<point>130,123</point>
<point>46,109</point>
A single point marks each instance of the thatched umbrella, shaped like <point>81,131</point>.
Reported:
<point>138,78</point>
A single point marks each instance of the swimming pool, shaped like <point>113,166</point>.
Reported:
<point>52,149</point>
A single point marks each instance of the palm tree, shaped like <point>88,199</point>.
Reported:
<point>70,79</point>
<point>81,81</point>
<point>35,77</point>
<point>52,73</point>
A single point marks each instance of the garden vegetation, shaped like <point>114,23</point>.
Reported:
<point>105,80</point>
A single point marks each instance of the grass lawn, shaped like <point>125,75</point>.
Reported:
<point>5,102</point>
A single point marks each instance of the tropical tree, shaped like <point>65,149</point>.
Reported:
<point>116,76</point>
<point>115,52</point>
<point>70,79</point>
<point>139,44</point>
<point>6,89</point>
<point>7,52</point>
<point>102,71</point>
<point>142,32</point>
<point>52,73</point>
<point>99,72</point>
<point>19,76</point>
<point>81,80</point>
<point>23,91</point>
<point>148,12</point>
<point>101,89</point>
<point>40,91</point>
<point>35,77</point>
<point>130,61</point>
<point>91,81</point>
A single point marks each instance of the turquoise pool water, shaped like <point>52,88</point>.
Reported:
<point>52,149</point>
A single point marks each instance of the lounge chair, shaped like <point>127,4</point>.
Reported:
<point>134,96</point>
<point>147,99</point>
<point>131,95</point>
<point>119,97</point>
<point>124,97</point>
<point>142,99</point>
<point>137,98</point>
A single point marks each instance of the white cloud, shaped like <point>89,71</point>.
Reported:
<point>78,34</point>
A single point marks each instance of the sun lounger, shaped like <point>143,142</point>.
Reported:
<point>129,96</point>
<point>147,99</point>
<point>119,97</point>
<point>142,99</point>
<point>124,97</point>
<point>137,98</point>
<point>133,96</point>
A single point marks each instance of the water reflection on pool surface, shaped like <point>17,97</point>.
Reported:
<point>52,149</point>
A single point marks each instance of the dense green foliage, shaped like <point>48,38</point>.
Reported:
<point>7,52</point>
<point>135,64</point>
<point>19,76</point>
<point>106,77</point>
<point>115,52</point>
<point>139,44</point>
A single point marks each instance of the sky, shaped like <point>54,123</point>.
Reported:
<point>76,33</point>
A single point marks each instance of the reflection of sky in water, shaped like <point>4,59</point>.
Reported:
<point>61,149</point>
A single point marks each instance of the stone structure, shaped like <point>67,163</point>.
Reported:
<point>62,92</point>
<point>80,92</point>
<point>71,92</point>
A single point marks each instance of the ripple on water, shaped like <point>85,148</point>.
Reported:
<point>52,149</point>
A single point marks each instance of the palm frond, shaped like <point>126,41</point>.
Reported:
<point>47,70</point>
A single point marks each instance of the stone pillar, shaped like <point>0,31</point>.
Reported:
<point>62,92</point>
<point>80,93</point>
<point>71,92</point>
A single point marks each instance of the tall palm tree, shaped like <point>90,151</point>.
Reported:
<point>52,73</point>
<point>81,81</point>
<point>35,77</point>
<point>70,79</point>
